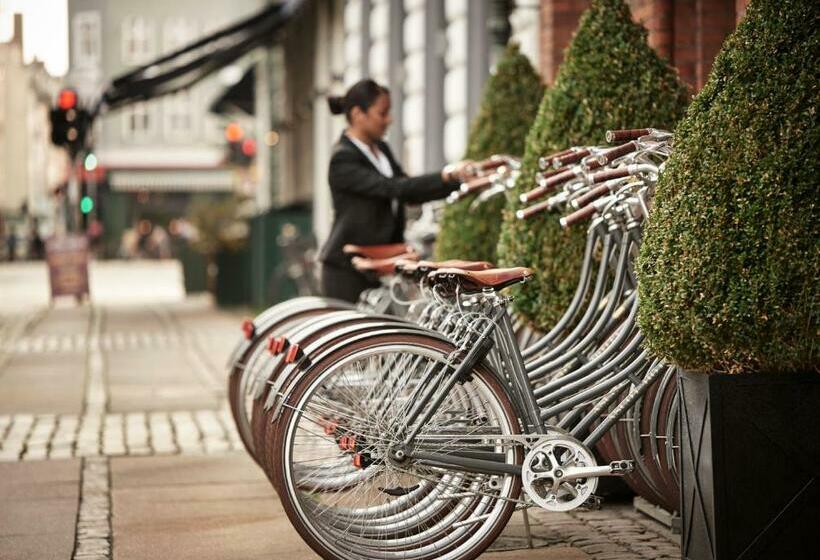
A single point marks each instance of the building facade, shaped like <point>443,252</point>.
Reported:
<point>435,56</point>
<point>158,153</point>
<point>30,167</point>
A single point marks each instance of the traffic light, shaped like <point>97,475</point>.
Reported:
<point>86,204</point>
<point>69,122</point>
<point>241,150</point>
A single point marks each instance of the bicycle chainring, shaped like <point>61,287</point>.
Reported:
<point>542,470</point>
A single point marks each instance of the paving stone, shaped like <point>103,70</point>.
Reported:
<point>39,508</point>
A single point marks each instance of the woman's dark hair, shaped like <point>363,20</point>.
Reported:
<point>362,94</point>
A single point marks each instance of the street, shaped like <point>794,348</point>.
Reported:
<point>116,441</point>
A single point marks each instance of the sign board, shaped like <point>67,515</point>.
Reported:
<point>67,259</point>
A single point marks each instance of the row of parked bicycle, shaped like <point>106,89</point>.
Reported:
<point>414,424</point>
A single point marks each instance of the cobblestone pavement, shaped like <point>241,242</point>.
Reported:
<point>114,419</point>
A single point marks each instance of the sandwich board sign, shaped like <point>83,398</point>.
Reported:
<point>67,259</point>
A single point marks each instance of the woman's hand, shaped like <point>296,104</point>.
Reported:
<point>461,171</point>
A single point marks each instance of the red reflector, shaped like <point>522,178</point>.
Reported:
<point>293,353</point>
<point>281,342</point>
<point>330,427</point>
<point>248,328</point>
<point>357,461</point>
<point>343,443</point>
<point>351,443</point>
<point>272,345</point>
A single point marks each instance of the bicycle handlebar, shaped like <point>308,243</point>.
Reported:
<point>613,136</point>
<point>531,211</point>
<point>602,176</point>
<point>547,185</point>
<point>494,162</point>
<point>611,155</point>
<point>573,157</point>
<point>590,195</point>
<point>545,162</point>
<point>477,184</point>
<point>578,216</point>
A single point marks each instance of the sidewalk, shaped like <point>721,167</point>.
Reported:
<point>116,443</point>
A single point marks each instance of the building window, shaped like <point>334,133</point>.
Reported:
<point>179,115</point>
<point>177,32</point>
<point>137,40</point>
<point>87,39</point>
<point>136,121</point>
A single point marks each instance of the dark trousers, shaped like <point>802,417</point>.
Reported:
<point>345,283</point>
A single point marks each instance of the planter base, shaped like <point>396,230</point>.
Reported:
<point>750,466</point>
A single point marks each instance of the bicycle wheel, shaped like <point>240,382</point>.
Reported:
<point>351,407</point>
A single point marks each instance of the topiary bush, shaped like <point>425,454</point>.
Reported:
<point>507,110</point>
<point>610,79</point>
<point>731,259</point>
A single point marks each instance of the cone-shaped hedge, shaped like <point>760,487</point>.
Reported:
<point>730,265</point>
<point>610,79</point>
<point>507,110</point>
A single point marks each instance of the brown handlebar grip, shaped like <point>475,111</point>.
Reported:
<point>602,176</point>
<point>527,213</point>
<point>547,185</point>
<point>545,162</point>
<point>613,136</point>
<point>610,155</point>
<point>493,163</point>
<point>591,195</point>
<point>570,158</point>
<point>578,216</point>
<point>476,184</point>
<point>542,176</point>
<point>534,194</point>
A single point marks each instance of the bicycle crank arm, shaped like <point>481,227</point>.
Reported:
<point>615,468</point>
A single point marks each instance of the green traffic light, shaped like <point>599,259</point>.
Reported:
<point>90,162</point>
<point>86,204</point>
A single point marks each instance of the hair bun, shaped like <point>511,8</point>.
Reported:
<point>336,104</point>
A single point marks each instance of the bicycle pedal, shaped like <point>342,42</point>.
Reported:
<point>593,502</point>
<point>621,467</point>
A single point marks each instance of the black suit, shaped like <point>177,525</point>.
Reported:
<point>364,211</point>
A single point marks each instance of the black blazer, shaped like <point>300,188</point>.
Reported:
<point>362,200</point>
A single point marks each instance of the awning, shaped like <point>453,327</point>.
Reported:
<point>186,66</point>
<point>239,97</point>
<point>172,180</point>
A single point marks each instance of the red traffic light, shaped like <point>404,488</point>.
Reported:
<point>249,147</point>
<point>67,99</point>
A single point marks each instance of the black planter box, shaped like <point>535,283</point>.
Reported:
<point>750,459</point>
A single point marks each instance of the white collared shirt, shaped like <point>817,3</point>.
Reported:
<point>381,162</point>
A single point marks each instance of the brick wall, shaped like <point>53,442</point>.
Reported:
<point>688,33</point>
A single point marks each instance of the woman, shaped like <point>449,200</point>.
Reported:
<point>369,188</point>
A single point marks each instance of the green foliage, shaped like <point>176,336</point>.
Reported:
<point>730,264</point>
<point>219,225</point>
<point>610,79</point>
<point>509,105</point>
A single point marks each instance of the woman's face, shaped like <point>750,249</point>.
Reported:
<point>374,122</point>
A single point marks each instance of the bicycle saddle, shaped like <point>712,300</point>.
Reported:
<point>475,281</point>
<point>423,267</point>
<point>378,251</point>
<point>382,267</point>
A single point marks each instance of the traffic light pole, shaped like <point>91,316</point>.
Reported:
<point>73,195</point>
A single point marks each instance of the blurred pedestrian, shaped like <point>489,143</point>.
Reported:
<point>369,187</point>
<point>11,244</point>
<point>37,248</point>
